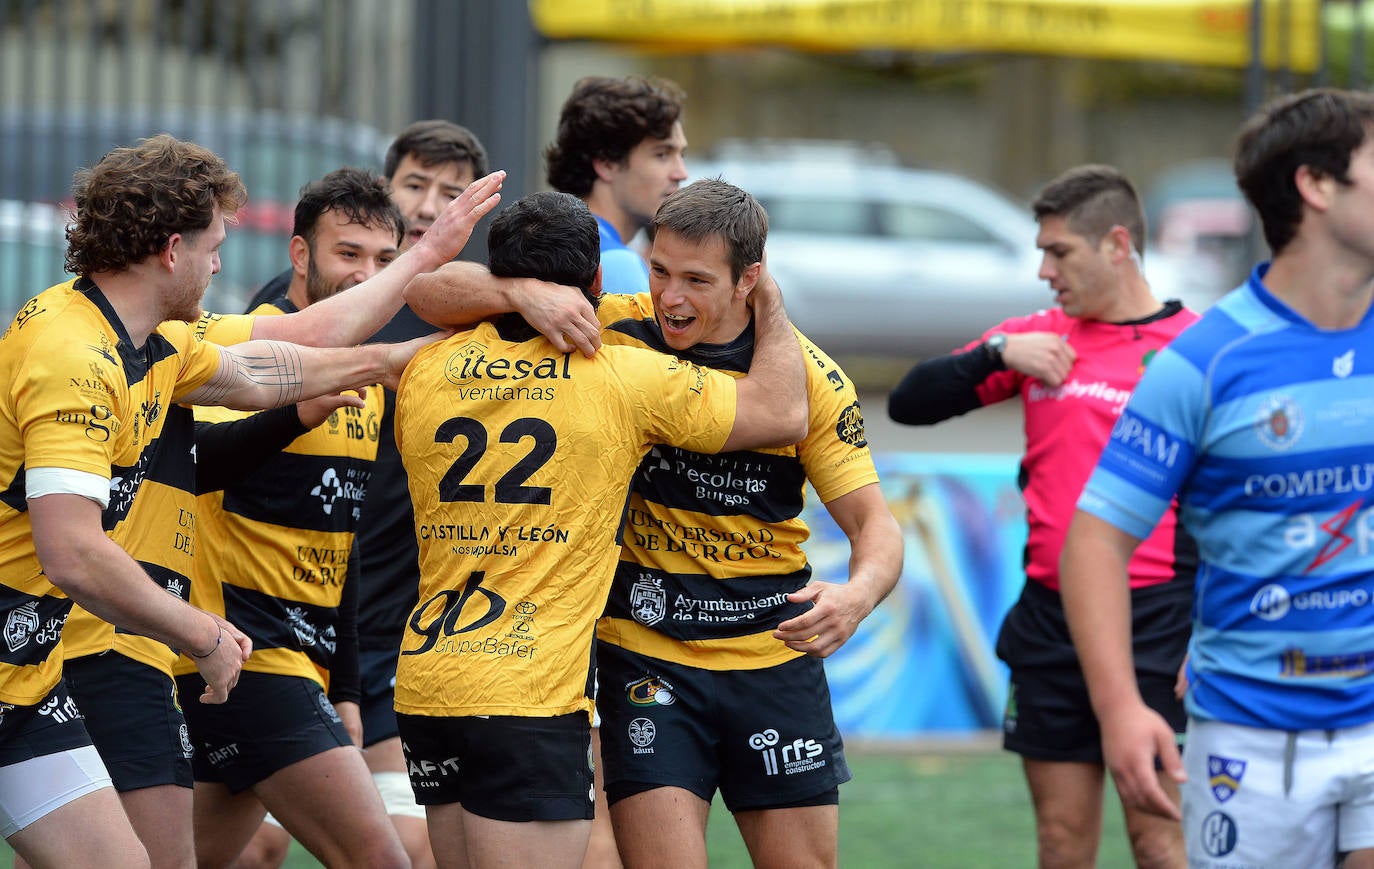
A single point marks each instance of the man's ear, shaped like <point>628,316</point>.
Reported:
<point>1314,187</point>
<point>604,169</point>
<point>595,290</point>
<point>167,257</point>
<point>1120,244</point>
<point>299,250</point>
<point>747,280</point>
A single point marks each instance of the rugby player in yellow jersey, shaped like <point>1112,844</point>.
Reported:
<point>519,457</point>
<point>274,557</point>
<point>710,650</point>
<point>95,366</point>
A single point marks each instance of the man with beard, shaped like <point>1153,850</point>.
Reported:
<point>275,553</point>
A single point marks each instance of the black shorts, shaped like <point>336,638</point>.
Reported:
<point>134,718</point>
<point>377,681</point>
<point>503,767</point>
<point>765,738</point>
<point>269,722</point>
<point>1049,714</point>
<point>52,725</point>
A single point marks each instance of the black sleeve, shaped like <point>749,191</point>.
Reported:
<point>939,388</point>
<point>344,680</point>
<point>226,452</point>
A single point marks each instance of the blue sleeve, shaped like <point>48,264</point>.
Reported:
<point>623,271</point>
<point>1152,449</point>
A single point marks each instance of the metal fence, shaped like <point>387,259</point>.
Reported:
<point>284,90</point>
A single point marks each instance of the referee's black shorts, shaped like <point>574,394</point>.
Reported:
<point>1049,715</point>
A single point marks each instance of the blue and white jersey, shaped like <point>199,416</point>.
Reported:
<point>1264,426</point>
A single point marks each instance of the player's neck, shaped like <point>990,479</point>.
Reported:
<point>136,300</point>
<point>1325,287</point>
<point>602,203</point>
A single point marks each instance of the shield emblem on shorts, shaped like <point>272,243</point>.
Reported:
<point>648,600</point>
<point>1224,775</point>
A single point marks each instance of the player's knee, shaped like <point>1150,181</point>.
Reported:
<point>263,852</point>
<point>1063,845</point>
<point>1159,846</point>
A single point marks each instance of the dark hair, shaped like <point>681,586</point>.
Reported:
<point>363,197</point>
<point>1092,199</point>
<point>713,206</point>
<point>604,119</point>
<point>131,202</point>
<point>550,236</point>
<point>434,143</point>
<point>1318,129</point>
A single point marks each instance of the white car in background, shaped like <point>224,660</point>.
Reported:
<point>879,259</point>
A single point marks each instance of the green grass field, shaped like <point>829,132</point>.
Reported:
<point>927,809</point>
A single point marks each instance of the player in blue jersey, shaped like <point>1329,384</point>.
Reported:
<point>1260,418</point>
<point>619,149</point>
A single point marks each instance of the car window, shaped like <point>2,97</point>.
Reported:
<point>816,214</point>
<point>919,222</point>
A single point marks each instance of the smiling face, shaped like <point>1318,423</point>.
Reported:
<point>1079,273</point>
<point>343,254</point>
<point>421,192</point>
<point>695,299</point>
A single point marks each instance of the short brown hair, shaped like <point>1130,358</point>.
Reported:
<point>604,119</point>
<point>131,202</point>
<point>1092,199</point>
<point>435,143</point>
<point>1319,129</point>
<point>713,206</point>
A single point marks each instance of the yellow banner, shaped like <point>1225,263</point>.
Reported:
<point>1206,32</point>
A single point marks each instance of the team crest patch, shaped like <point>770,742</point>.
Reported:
<point>1146,360</point>
<point>1278,422</point>
<point>1343,365</point>
<point>850,427</point>
<point>1224,775</point>
<point>648,600</point>
<point>651,691</point>
<point>20,625</point>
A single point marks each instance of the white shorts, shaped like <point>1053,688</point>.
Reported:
<point>32,788</point>
<point>1270,798</point>
<point>397,796</point>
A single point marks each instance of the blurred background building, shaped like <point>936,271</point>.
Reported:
<point>1005,93</point>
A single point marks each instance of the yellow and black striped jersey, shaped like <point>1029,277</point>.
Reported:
<point>274,547</point>
<point>79,396</point>
<point>159,531</point>
<point>519,459</point>
<point>712,543</point>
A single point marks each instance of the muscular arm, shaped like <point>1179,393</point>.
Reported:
<point>875,564</point>
<point>96,573</point>
<point>771,401</point>
<point>462,293</point>
<point>353,315</point>
<point>257,375</point>
<point>1095,584</point>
